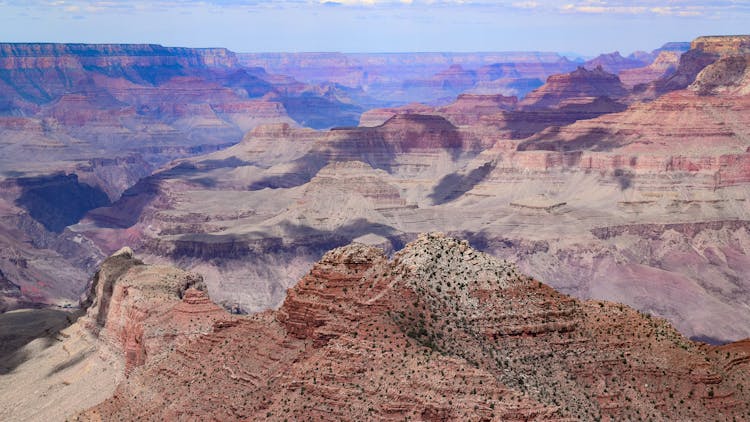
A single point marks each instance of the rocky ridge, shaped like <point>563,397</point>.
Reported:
<point>578,85</point>
<point>142,309</point>
<point>439,332</point>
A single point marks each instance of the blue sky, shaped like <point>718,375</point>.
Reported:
<point>588,27</point>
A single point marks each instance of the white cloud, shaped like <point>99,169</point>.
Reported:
<point>526,4</point>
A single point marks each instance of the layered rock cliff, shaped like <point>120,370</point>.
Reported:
<point>703,52</point>
<point>707,117</point>
<point>575,86</point>
<point>139,310</point>
<point>131,315</point>
<point>565,98</point>
<point>440,332</point>
<point>662,67</point>
<point>615,63</point>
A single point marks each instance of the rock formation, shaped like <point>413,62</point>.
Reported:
<point>565,98</point>
<point>133,313</point>
<point>690,119</point>
<point>440,332</point>
<point>615,63</point>
<point>662,67</point>
<point>703,52</point>
<point>575,86</point>
<point>140,309</point>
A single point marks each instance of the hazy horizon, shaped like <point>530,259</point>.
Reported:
<point>581,28</point>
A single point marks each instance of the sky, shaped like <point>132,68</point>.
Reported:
<point>584,27</point>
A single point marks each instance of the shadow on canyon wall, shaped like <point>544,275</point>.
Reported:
<point>57,201</point>
<point>455,185</point>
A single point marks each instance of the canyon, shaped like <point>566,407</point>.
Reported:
<point>97,118</point>
<point>603,203</point>
<point>582,183</point>
<point>437,78</point>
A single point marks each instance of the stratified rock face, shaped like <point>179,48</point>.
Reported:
<point>579,84</point>
<point>417,131</point>
<point>695,124</point>
<point>688,121</point>
<point>132,314</point>
<point>468,109</point>
<point>378,116</point>
<point>616,63</point>
<point>677,47</point>
<point>704,51</point>
<point>730,74</point>
<point>90,101</point>
<point>254,217</point>
<point>662,67</point>
<point>456,78</point>
<point>356,177</point>
<point>723,45</point>
<point>139,310</point>
<point>136,62</point>
<point>708,117</point>
<point>84,102</point>
<point>441,332</point>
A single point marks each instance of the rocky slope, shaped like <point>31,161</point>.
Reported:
<point>132,314</point>
<point>662,67</point>
<point>467,109</point>
<point>640,66</point>
<point>66,104</point>
<point>703,52</point>
<point>440,332</point>
<point>709,116</point>
<point>287,195</point>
